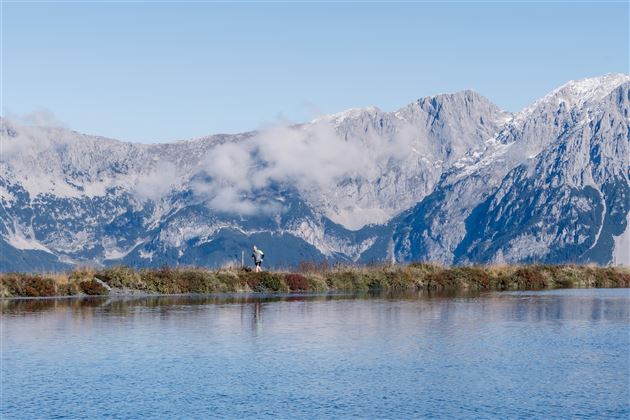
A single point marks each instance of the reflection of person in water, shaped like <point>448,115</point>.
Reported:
<point>257,313</point>
<point>257,255</point>
<point>257,321</point>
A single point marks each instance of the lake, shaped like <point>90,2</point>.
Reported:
<point>548,354</point>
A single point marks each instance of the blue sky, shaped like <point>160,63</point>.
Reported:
<point>165,71</point>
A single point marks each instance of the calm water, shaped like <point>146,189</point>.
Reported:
<point>548,354</point>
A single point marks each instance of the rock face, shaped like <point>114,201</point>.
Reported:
<point>449,178</point>
<point>550,186</point>
<point>569,202</point>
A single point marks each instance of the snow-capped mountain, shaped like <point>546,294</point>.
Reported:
<point>538,189</point>
<point>449,178</point>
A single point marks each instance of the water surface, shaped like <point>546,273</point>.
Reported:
<point>553,354</point>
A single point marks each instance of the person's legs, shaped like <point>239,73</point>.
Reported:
<point>258,267</point>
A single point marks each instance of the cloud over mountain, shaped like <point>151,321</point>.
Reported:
<point>449,178</point>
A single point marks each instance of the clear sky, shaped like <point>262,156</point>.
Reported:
<point>148,71</point>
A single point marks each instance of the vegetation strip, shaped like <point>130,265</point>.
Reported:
<point>309,278</point>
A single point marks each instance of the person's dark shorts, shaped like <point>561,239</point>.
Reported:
<point>258,263</point>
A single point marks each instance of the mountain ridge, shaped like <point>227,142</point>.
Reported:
<point>416,176</point>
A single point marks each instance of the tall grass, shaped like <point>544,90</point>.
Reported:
<point>310,277</point>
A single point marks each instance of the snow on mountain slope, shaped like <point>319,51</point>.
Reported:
<point>571,200</point>
<point>435,228</point>
<point>64,163</point>
<point>405,153</point>
<point>428,181</point>
<point>621,250</point>
<point>358,167</point>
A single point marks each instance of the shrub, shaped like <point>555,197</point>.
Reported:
<point>28,285</point>
<point>68,289</point>
<point>229,281</point>
<point>10,285</point>
<point>529,278</point>
<point>621,278</point>
<point>316,283</point>
<point>93,287</point>
<point>265,281</point>
<point>162,280</point>
<point>444,279</point>
<point>384,278</point>
<point>346,280</point>
<point>296,282</point>
<point>561,276</point>
<point>38,286</point>
<point>411,279</point>
<point>81,273</point>
<point>477,276</point>
<point>121,277</point>
<point>400,280</point>
<point>458,277</point>
<point>197,281</point>
<point>610,277</point>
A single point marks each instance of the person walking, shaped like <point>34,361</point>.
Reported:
<point>257,255</point>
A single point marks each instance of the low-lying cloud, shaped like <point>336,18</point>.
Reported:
<point>157,183</point>
<point>39,117</point>
<point>247,175</point>
<point>311,157</point>
<point>30,133</point>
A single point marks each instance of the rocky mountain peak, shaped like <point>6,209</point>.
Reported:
<point>449,178</point>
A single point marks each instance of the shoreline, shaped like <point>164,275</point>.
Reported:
<point>128,282</point>
<point>226,295</point>
<point>297,294</point>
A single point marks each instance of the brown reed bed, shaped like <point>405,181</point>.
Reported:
<point>310,278</point>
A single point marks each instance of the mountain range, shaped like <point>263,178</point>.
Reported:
<point>449,178</point>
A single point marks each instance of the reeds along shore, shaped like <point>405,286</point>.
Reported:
<point>310,278</point>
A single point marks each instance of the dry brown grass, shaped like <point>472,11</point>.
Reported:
<point>313,277</point>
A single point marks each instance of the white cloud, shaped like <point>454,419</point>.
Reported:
<point>18,138</point>
<point>312,157</point>
<point>41,117</point>
<point>156,183</point>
